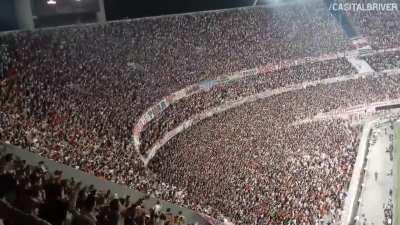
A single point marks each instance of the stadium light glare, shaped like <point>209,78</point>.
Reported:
<point>51,2</point>
<point>259,2</point>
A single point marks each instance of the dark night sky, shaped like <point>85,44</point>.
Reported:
<point>119,9</point>
<point>7,15</point>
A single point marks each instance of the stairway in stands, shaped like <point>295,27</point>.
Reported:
<point>358,41</point>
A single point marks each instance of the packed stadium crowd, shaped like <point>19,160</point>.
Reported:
<point>72,88</point>
<point>187,107</point>
<point>170,47</point>
<point>384,61</point>
<point>30,194</point>
<point>380,27</point>
<point>71,95</point>
<point>4,60</point>
<point>288,181</point>
<point>227,146</point>
<point>388,211</point>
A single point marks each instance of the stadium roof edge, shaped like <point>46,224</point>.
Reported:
<point>157,17</point>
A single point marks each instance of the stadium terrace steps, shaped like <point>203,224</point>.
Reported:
<point>157,109</point>
<point>239,102</point>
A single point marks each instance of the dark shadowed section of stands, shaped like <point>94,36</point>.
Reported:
<point>387,107</point>
<point>99,184</point>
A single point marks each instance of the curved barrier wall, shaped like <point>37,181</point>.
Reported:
<point>351,202</point>
<point>396,148</point>
<point>354,191</point>
<point>251,98</point>
<point>156,110</point>
<point>86,179</point>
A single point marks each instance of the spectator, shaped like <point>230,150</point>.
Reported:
<point>55,208</point>
<point>86,217</point>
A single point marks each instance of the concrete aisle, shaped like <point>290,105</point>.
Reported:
<point>378,181</point>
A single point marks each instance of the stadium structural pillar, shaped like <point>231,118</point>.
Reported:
<point>101,14</point>
<point>23,11</point>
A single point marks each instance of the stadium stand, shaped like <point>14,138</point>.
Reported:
<point>74,94</point>
<point>384,61</point>
<point>181,111</point>
<point>379,26</point>
<point>222,145</point>
<point>39,193</point>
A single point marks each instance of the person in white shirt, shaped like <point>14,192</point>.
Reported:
<point>157,208</point>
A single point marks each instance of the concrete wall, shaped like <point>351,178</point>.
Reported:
<point>101,15</point>
<point>396,149</point>
<point>24,15</point>
<point>99,184</point>
<point>353,194</point>
<point>25,18</point>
